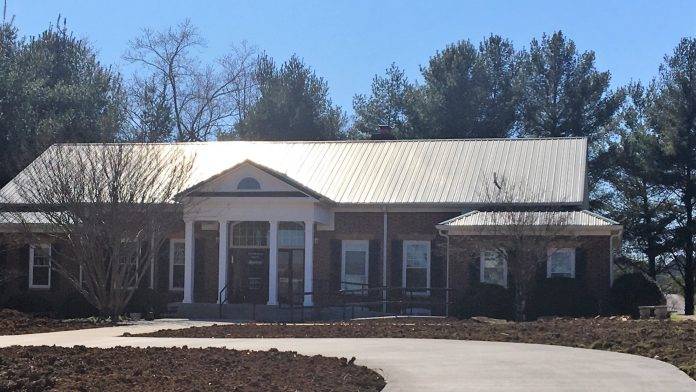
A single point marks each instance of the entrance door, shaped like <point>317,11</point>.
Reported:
<point>249,274</point>
<point>291,276</point>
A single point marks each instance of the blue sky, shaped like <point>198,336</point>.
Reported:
<point>348,42</point>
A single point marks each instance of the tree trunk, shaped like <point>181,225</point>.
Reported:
<point>689,257</point>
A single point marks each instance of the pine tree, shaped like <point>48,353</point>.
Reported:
<point>639,199</point>
<point>468,92</point>
<point>293,104</point>
<point>674,117</point>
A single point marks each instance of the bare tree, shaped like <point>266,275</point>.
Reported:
<point>205,99</point>
<point>521,238</point>
<point>111,206</point>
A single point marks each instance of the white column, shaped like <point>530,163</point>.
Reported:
<point>273,264</point>
<point>223,248</point>
<point>308,262</point>
<point>189,252</point>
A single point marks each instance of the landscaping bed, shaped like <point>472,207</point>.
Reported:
<point>177,369</point>
<point>13,322</point>
<point>670,341</point>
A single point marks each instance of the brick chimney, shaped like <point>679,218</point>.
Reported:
<point>383,132</point>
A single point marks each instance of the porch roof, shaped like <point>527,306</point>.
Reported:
<point>483,219</point>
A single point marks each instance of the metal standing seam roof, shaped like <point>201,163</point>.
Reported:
<point>532,218</point>
<point>432,172</point>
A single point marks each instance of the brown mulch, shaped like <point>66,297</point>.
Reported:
<point>13,322</point>
<point>670,341</point>
<point>177,369</point>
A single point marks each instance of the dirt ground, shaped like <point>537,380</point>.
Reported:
<point>13,322</point>
<point>177,369</point>
<point>670,341</point>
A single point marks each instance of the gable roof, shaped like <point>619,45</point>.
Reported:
<point>309,192</point>
<point>423,172</point>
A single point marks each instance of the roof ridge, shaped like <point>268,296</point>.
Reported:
<point>356,141</point>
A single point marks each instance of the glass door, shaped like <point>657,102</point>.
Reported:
<point>291,276</point>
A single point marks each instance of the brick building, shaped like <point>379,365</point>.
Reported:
<point>386,225</point>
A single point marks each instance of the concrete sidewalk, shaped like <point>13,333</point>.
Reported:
<point>427,364</point>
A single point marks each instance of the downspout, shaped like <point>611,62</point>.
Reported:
<point>384,260</point>
<point>447,267</point>
<point>611,256</point>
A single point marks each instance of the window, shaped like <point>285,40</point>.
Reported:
<point>416,271</point>
<point>494,267</point>
<point>177,254</point>
<point>250,234</point>
<point>291,235</point>
<point>354,265</point>
<point>40,266</point>
<point>129,258</point>
<point>561,263</point>
<point>248,184</point>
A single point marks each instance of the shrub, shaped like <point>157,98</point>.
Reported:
<point>76,306</point>
<point>146,300</point>
<point>28,302</point>
<point>563,297</point>
<point>632,290</point>
<point>482,299</point>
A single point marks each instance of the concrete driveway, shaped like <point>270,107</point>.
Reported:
<point>426,364</point>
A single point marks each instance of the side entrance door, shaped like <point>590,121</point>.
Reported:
<point>291,276</point>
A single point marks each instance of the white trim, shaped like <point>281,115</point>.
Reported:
<point>482,266</point>
<point>552,251</point>
<point>189,259</point>
<point>359,246</point>
<point>172,243</point>
<point>31,267</point>
<point>403,266</point>
<point>273,263</point>
<point>223,259</point>
<point>309,263</point>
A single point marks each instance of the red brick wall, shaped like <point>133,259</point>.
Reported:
<point>592,255</point>
<point>369,226</point>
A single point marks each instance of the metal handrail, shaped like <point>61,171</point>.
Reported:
<point>221,302</point>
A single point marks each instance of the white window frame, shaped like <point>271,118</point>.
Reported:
<point>172,244</point>
<point>31,267</point>
<point>552,251</point>
<point>355,245</point>
<point>404,264</point>
<point>483,264</point>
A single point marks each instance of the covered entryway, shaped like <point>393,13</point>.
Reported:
<point>265,239</point>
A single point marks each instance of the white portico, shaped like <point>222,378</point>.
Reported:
<point>266,226</point>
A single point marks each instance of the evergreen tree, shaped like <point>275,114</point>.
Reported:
<point>151,117</point>
<point>468,92</point>
<point>639,199</point>
<point>293,104</point>
<point>562,94</point>
<point>389,104</point>
<point>52,90</point>
<point>674,117</point>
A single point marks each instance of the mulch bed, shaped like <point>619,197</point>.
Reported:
<point>177,369</point>
<point>670,341</point>
<point>13,322</point>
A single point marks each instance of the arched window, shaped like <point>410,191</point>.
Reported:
<point>248,183</point>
